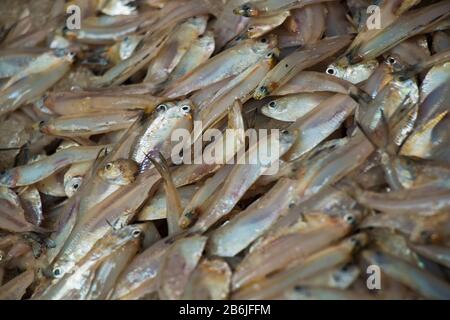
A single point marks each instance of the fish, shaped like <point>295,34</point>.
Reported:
<point>69,103</point>
<point>209,281</point>
<point>41,169</point>
<point>240,231</point>
<point>224,149</point>
<point>198,53</point>
<point>74,176</point>
<point>313,81</point>
<point>319,123</point>
<point>297,61</point>
<point>23,86</point>
<point>88,124</point>
<point>12,215</point>
<point>435,253</point>
<point>15,288</point>
<point>421,281</point>
<point>221,66</point>
<point>355,73</point>
<point>405,27</point>
<point>173,199</point>
<point>240,88</point>
<point>233,188</point>
<point>179,263</point>
<point>96,267</point>
<point>155,208</point>
<point>292,107</point>
<point>100,32</point>
<point>13,61</point>
<point>267,7</point>
<point>308,23</point>
<point>312,265</point>
<point>174,49</point>
<point>155,134</point>
<point>97,221</point>
<point>260,26</point>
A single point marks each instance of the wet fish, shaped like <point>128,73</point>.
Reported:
<point>297,61</point>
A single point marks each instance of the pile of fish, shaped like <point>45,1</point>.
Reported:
<point>354,203</point>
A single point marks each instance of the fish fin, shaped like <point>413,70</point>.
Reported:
<point>98,160</point>
<point>173,199</point>
<point>235,119</point>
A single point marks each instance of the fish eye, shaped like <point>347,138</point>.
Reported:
<point>108,166</point>
<point>299,288</point>
<point>331,71</point>
<point>57,272</point>
<point>285,132</point>
<point>264,90</point>
<point>75,186</point>
<point>426,236</point>
<point>245,9</point>
<point>349,218</point>
<point>355,242</point>
<point>273,105</point>
<point>186,108</point>
<point>345,268</point>
<point>161,108</point>
<point>136,233</point>
<point>337,277</point>
<point>391,60</point>
<point>264,40</point>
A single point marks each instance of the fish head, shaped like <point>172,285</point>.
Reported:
<point>181,111</point>
<point>120,171</point>
<point>346,273</point>
<point>247,9</point>
<point>265,43</point>
<point>45,127</point>
<point>357,241</point>
<point>72,185</point>
<point>274,109</point>
<point>394,63</point>
<point>287,136</point>
<point>355,73</point>
<point>68,54</point>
